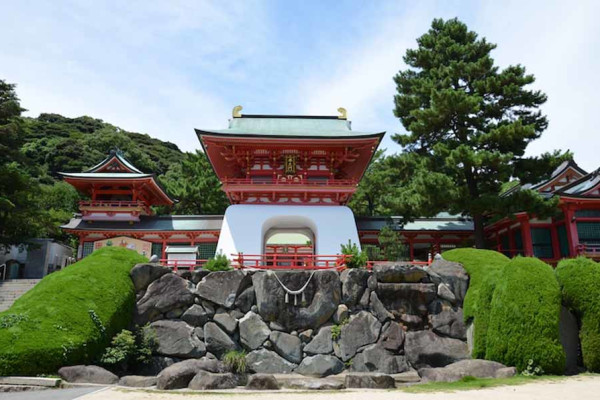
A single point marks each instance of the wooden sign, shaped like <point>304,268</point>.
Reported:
<point>290,165</point>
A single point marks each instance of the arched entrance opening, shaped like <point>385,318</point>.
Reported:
<point>288,241</point>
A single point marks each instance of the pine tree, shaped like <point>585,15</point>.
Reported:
<point>468,123</point>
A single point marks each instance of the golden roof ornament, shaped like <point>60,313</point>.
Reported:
<point>343,113</point>
<point>237,111</point>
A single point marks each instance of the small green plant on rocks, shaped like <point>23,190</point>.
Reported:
<point>219,262</point>
<point>357,258</point>
<point>336,330</point>
<point>128,349</point>
<point>235,361</point>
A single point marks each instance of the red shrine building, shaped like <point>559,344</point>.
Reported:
<point>288,179</point>
<point>573,231</point>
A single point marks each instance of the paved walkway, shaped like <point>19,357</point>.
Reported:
<point>574,388</point>
<point>50,394</point>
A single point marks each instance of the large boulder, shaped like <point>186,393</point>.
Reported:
<point>322,342</point>
<point>376,358</point>
<point>87,374</point>
<point>156,364</point>
<point>197,315</point>
<point>217,341</point>
<point>379,309</point>
<point>138,381</point>
<point>246,299</point>
<point>400,273</point>
<point>426,349</point>
<point>454,275</point>
<point>369,381</point>
<point>144,274</point>
<point>314,384</point>
<point>165,294</point>
<point>287,346</point>
<point>253,331</point>
<point>450,323</point>
<point>268,362</point>
<point>392,336</point>
<point>223,287</point>
<point>460,369</point>
<point>179,375</point>
<point>362,329</point>
<point>226,322</point>
<point>354,283</point>
<point>320,365</point>
<point>209,381</point>
<point>262,382</point>
<point>322,295</point>
<point>177,339</point>
<point>406,298</point>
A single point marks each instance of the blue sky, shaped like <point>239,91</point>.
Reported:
<point>164,68</point>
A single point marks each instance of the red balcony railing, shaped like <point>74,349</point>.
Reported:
<point>115,204</point>
<point>289,181</point>
<point>289,261</point>
<point>589,250</point>
<point>176,265</point>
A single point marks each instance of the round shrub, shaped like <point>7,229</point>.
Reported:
<point>525,317</point>
<point>70,316</point>
<point>484,268</point>
<point>579,280</point>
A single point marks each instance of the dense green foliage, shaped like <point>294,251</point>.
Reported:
<point>70,316</point>
<point>579,280</point>
<point>525,317</point>
<point>219,262</point>
<point>484,268</point>
<point>34,202</point>
<point>468,125</point>
<point>357,258</point>
<point>128,350</point>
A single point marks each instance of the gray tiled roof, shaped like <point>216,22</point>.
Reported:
<point>442,222</point>
<point>160,223</point>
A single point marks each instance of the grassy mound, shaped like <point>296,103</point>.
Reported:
<point>579,280</point>
<point>525,316</point>
<point>484,268</point>
<point>70,316</point>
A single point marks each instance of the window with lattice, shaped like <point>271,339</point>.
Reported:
<point>589,232</point>
<point>157,249</point>
<point>206,250</point>
<point>88,248</point>
<point>542,242</point>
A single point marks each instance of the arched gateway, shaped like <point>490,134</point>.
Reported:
<point>288,177</point>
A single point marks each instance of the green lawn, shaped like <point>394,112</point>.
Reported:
<point>471,383</point>
<point>70,316</point>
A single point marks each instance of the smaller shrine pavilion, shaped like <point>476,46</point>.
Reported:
<point>574,231</point>
<point>119,213</point>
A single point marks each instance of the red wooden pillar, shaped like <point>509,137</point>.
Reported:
<point>526,233</point>
<point>164,250</point>
<point>572,234</point>
<point>555,241</point>
<point>411,249</point>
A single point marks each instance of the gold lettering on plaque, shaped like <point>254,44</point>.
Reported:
<point>290,165</point>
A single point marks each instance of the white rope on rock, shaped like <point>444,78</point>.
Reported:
<point>295,293</point>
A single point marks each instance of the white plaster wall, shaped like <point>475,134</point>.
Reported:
<point>244,226</point>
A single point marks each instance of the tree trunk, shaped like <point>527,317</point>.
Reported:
<point>479,233</point>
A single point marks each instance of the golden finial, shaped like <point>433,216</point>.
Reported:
<point>343,113</point>
<point>236,111</point>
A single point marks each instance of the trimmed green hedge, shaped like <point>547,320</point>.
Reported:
<point>70,316</point>
<point>484,268</point>
<point>525,317</point>
<point>579,280</point>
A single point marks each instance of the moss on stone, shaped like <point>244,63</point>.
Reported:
<point>70,316</point>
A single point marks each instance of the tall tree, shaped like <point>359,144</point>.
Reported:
<point>196,187</point>
<point>468,122</point>
<point>19,212</point>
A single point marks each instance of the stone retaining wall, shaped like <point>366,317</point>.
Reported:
<point>391,320</point>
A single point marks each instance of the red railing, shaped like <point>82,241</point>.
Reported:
<point>589,250</point>
<point>290,181</point>
<point>115,203</point>
<point>289,261</point>
<point>176,265</point>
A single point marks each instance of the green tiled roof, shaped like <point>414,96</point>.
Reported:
<point>154,223</point>
<point>289,126</point>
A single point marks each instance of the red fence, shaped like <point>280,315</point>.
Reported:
<point>589,250</point>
